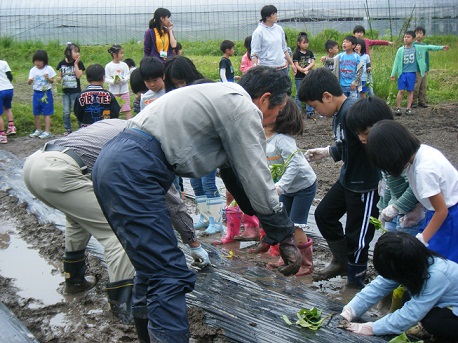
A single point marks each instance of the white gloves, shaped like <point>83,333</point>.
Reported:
<point>348,313</point>
<point>200,256</point>
<point>419,236</point>
<point>389,213</point>
<point>361,328</point>
<point>317,154</point>
<point>280,190</point>
<point>413,217</point>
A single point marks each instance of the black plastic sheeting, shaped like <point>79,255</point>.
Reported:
<point>12,330</point>
<point>247,302</point>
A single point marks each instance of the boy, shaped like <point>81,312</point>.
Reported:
<point>226,71</point>
<point>332,48</point>
<point>359,33</point>
<point>95,103</point>
<point>421,82</point>
<point>152,74</point>
<point>354,193</point>
<point>410,59</point>
<point>348,68</point>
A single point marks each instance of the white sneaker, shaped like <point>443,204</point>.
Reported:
<point>11,130</point>
<point>37,133</point>
<point>3,139</point>
<point>45,135</point>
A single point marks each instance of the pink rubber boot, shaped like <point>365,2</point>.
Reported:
<point>251,229</point>
<point>233,218</point>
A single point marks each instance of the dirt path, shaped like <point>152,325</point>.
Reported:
<point>86,318</point>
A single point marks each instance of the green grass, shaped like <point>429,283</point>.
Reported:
<point>442,80</point>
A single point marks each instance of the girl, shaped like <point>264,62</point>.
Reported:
<point>70,70</point>
<point>360,49</point>
<point>42,77</point>
<point>297,185</point>
<point>180,72</point>
<point>246,59</point>
<point>159,40</point>
<point>431,280</point>
<point>304,60</point>
<point>433,179</point>
<point>6,97</point>
<point>117,77</point>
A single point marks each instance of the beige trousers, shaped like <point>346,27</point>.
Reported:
<point>55,179</point>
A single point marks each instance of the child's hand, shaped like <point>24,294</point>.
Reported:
<point>352,87</point>
<point>58,79</point>
<point>316,154</point>
<point>446,48</point>
<point>392,78</point>
<point>369,69</point>
<point>323,59</point>
<point>237,77</point>
<point>391,43</point>
<point>116,79</point>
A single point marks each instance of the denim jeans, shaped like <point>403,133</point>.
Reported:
<point>205,185</point>
<point>298,204</point>
<point>308,109</point>
<point>349,93</point>
<point>68,100</point>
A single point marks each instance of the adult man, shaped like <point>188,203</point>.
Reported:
<point>189,132</point>
<point>59,175</point>
<point>268,43</point>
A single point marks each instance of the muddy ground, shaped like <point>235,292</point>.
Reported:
<point>86,318</point>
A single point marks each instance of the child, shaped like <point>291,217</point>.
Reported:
<point>359,33</point>
<point>152,74</point>
<point>6,97</point>
<point>180,72</point>
<point>226,71</point>
<point>296,186</point>
<point>354,193</point>
<point>138,88</point>
<point>304,60</point>
<point>178,51</point>
<point>42,77</point>
<point>70,70</point>
<point>117,77</point>
<point>348,68</point>
<point>246,59</point>
<point>366,60</point>
<point>421,82</point>
<point>332,48</point>
<point>131,64</point>
<point>410,59</point>
<point>400,210</point>
<point>431,280</point>
<point>434,181</point>
<point>95,103</point>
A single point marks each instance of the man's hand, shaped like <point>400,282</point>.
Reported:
<point>316,154</point>
<point>291,255</point>
<point>200,256</point>
<point>361,328</point>
<point>389,213</point>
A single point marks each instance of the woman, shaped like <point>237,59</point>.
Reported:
<point>159,39</point>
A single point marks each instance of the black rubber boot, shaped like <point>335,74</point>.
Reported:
<point>74,270</point>
<point>120,299</point>
<point>141,325</point>
<point>356,275</point>
<point>338,265</point>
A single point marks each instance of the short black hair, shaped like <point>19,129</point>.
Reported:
<point>40,55</point>
<point>151,68</point>
<point>366,112</point>
<point>180,68</point>
<point>316,82</point>
<point>351,39</point>
<point>421,29</point>
<point>130,62</point>
<point>410,33</point>
<point>136,82</point>
<point>363,45</point>
<point>267,11</point>
<point>262,79</point>
<point>289,120</point>
<point>359,28</point>
<point>226,44</point>
<point>401,257</point>
<point>390,146</point>
<point>95,73</point>
<point>330,44</point>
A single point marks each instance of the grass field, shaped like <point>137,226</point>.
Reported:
<point>442,80</point>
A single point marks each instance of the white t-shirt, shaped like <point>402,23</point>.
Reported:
<point>430,174</point>
<point>120,69</point>
<point>38,76</point>
<point>4,82</point>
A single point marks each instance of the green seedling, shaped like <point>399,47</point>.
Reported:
<point>277,170</point>
<point>310,319</point>
<point>377,224</point>
<point>402,338</point>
